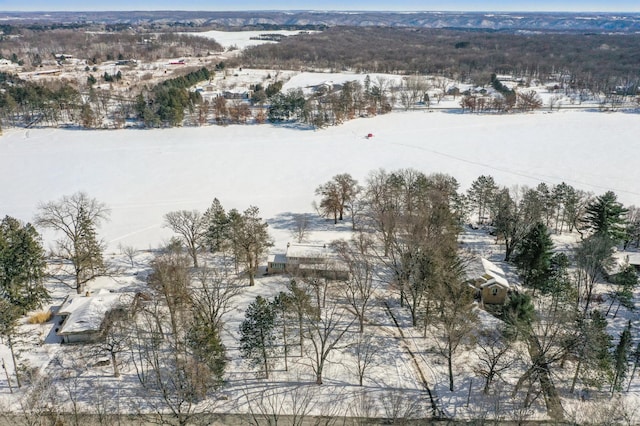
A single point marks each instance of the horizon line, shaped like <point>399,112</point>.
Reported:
<point>324,11</point>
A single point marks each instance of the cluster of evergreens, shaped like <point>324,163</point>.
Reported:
<point>166,103</point>
<point>25,103</point>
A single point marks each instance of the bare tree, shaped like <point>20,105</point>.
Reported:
<point>190,226</point>
<point>115,337</point>
<point>398,406</point>
<point>268,406</point>
<point>212,294</point>
<point>300,231</point>
<point>493,354</point>
<point>413,91</point>
<point>299,302</point>
<point>177,383</point>
<point>363,408</point>
<point>130,252</point>
<point>366,352</point>
<point>325,332</point>
<point>250,238</point>
<point>337,194</point>
<point>77,216</point>
<point>358,289</point>
<point>454,323</point>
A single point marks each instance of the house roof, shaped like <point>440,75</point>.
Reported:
<point>485,273</point>
<point>277,258</point>
<point>86,313</point>
<point>308,251</point>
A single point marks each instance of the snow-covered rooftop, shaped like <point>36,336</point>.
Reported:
<point>86,312</point>
<point>486,272</point>
<point>308,251</point>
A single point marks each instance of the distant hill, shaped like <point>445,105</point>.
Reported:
<point>511,21</point>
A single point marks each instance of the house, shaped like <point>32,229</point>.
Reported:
<point>81,317</point>
<point>620,260</point>
<point>308,260</point>
<point>488,281</point>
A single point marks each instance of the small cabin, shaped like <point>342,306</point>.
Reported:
<point>488,280</point>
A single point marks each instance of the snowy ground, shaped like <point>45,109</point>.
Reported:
<point>241,39</point>
<point>143,174</point>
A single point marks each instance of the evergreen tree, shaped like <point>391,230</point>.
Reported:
<point>216,227</point>
<point>592,347</point>
<point>621,359</point>
<point>480,194</point>
<point>518,313</point>
<point>560,284</point>
<point>89,251</point>
<point>533,257</point>
<point>257,334</point>
<point>606,216</point>
<point>625,281</point>
<point>206,346</point>
<point>635,356</point>
<point>22,265</point>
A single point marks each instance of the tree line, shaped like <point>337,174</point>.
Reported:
<point>593,60</point>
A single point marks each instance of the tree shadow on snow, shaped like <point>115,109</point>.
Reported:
<point>292,221</point>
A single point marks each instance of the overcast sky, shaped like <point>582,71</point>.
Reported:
<point>390,5</point>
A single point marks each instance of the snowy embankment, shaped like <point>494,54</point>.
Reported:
<point>143,174</point>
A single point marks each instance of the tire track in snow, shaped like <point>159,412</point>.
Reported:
<point>436,411</point>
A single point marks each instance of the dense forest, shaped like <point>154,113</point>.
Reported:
<point>597,60</point>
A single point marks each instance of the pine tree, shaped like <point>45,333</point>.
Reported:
<point>88,251</point>
<point>481,193</point>
<point>207,348</point>
<point>257,334</point>
<point>533,257</point>
<point>592,349</point>
<point>621,359</point>
<point>216,224</point>
<point>606,216</point>
<point>635,356</point>
<point>22,265</point>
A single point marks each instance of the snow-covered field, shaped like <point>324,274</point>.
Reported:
<point>241,39</point>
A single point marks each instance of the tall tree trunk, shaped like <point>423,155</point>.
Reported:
<point>116,371</point>
<point>551,396</point>
<point>13,358</point>
<point>450,367</point>
<point>575,376</point>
